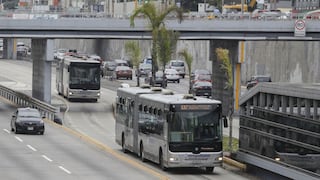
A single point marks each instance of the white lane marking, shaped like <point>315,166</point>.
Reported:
<point>19,139</point>
<point>32,148</point>
<point>64,169</point>
<point>6,130</point>
<point>46,157</point>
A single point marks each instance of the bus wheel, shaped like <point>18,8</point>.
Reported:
<point>124,150</point>
<point>161,161</point>
<point>142,155</point>
<point>209,169</point>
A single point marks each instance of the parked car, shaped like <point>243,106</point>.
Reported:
<point>123,72</point>
<point>144,69</point>
<point>158,79</point>
<point>172,75</point>
<point>178,65</point>
<point>27,120</point>
<point>200,75</point>
<point>254,80</point>
<point>202,88</point>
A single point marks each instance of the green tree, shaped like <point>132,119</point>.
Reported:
<point>226,66</point>
<point>132,49</point>
<point>188,59</point>
<point>167,43</point>
<point>156,21</point>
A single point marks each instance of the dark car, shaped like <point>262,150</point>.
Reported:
<point>27,120</point>
<point>123,72</point>
<point>254,80</point>
<point>144,69</point>
<point>158,79</point>
<point>202,88</point>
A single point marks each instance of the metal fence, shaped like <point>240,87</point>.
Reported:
<point>23,100</point>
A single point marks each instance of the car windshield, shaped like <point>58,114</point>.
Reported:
<point>29,114</point>
<point>202,83</point>
<point>204,77</point>
<point>177,63</point>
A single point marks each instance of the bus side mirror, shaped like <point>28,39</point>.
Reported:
<point>225,122</point>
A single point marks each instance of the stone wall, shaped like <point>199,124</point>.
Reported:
<point>285,61</point>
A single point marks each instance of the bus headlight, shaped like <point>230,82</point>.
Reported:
<point>173,159</point>
<point>70,93</point>
<point>277,159</point>
<point>98,94</point>
<point>219,158</point>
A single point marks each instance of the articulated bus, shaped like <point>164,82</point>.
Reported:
<point>78,78</point>
<point>173,130</point>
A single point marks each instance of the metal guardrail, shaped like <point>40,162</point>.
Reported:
<point>24,100</point>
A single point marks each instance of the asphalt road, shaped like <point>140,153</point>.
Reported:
<point>85,146</point>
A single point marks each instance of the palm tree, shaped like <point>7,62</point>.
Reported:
<point>226,66</point>
<point>188,59</point>
<point>133,50</point>
<point>167,42</point>
<point>156,21</point>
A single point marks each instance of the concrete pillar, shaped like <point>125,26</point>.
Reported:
<point>9,48</point>
<point>307,108</point>
<point>284,104</point>
<point>299,106</point>
<point>219,76</point>
<point>269,101</point>
<point>315,109</point>
<point>276,102</point>
<point>291,100</point>
<point>42,55</point>
<point>262,100</point>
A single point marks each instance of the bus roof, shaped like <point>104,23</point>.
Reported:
<point>178,99</point>
<point>75,59</point>
<point>136,90</point>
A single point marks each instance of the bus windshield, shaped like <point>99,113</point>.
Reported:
<point>195,126</point>
<point>85,77</point>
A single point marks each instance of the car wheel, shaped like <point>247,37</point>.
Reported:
<point>178,81</point>
<point>41,132</point>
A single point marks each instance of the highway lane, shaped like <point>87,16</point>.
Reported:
<point>96,121</point>
<point>56,155</point>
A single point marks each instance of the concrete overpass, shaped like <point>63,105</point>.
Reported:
<point>221,33</point>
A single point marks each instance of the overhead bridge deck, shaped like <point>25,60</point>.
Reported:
<point>280,129</point>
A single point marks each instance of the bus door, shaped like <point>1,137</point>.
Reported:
<point>129,131</point>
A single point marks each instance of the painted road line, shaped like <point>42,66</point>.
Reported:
<point>19,139</point>
<point>32,148</point>
<point>6,130</point>
<point>64,169</point>
<point>109,150</point>
<point>46,157</point>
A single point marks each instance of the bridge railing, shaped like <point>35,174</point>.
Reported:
<point>23,100</point>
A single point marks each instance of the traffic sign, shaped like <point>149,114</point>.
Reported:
<point>300,28</point>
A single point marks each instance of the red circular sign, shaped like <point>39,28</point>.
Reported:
<point>300,24</point>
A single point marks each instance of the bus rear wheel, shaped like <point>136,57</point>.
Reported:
<point>124,150</point>
<point>142,155</point>
<point>209,169</point>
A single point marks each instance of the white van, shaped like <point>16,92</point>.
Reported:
<point>178,65</point>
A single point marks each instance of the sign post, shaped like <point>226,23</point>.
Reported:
<point>300,28</point>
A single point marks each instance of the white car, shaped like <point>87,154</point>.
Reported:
<point>172,75</point>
